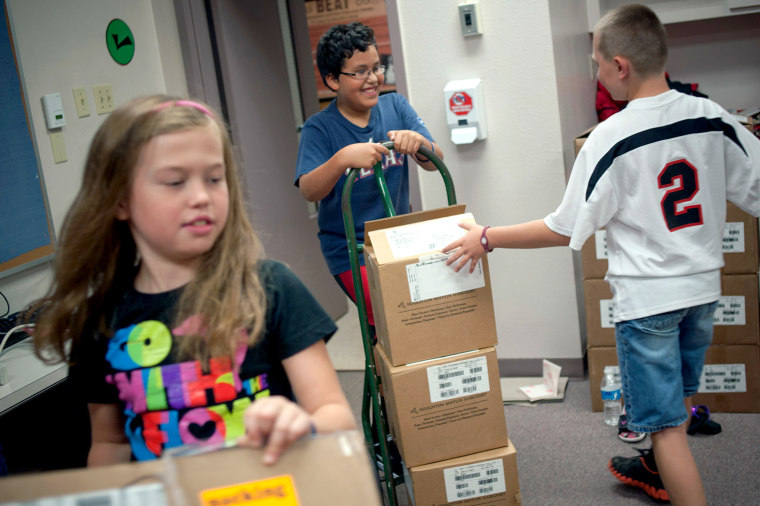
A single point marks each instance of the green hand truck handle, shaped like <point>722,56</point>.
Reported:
<point>370,374</point>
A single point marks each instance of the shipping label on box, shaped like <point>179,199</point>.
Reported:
<point>431,278</point>
<point>422,308</point>
<point>446,407</point>
<point>718,378</point>
<point>485,478</point>
<point>474,480</point>
<point>458,379</point>
<point>731,311</point>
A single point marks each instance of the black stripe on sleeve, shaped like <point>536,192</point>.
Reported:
<point>678,129</point>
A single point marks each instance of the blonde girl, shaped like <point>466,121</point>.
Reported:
<point>180,331</point>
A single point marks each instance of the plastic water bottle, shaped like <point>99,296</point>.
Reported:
<point>611,391</point>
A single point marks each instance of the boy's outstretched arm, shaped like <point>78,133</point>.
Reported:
<point>317,184</point>
<point>408,142</point>
<point>531,234</point>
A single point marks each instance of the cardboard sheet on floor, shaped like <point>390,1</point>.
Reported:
<point>511,393</point>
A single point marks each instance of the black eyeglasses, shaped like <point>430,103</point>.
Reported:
<point>361,75</point>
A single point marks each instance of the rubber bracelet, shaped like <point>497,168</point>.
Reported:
<point>484,240</point>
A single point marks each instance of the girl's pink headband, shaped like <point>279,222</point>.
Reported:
<point>186,103</point>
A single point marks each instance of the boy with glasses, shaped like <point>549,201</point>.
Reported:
<point>346,135</point>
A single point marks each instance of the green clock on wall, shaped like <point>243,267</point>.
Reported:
<point>120,41</point>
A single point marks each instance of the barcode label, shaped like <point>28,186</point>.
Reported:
<point>730,311</point>
<point>134,495</point>
<point>733,237</point>
<point>474,480</point>
<point>458,379</point>
<point>723,378</point>
<point>600,241</point>
<point>607,313</point>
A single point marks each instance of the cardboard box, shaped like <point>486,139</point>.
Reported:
<point>740,242</point>
<point>326,470</point>
<point>737,319</point>
<point>600,326</point>
<point>444,408</point>
<point>485,478</point>
<point>581,139</point>
<point>730,380</point>
<point>422,308</point>
<point>740,246</point>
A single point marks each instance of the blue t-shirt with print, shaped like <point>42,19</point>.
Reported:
<point>329,131</point>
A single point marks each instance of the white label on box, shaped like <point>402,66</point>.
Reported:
<point>458,379</point>
<point>733,237</point>
<point>607,313</point>
<point>132,495</point>
<point>475,480</point>
<point>600,240</point>
<point>731,311</point>
<point>425,236</point>
<point>723,378</point>
<point>431,278</point>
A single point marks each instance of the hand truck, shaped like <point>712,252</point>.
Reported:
<point>371,396</point>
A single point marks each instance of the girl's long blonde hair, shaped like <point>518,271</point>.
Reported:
<point>96,257</point>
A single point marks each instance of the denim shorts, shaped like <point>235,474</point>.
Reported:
<point>661,359</point>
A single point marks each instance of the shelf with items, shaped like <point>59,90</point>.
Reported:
<point>677,11</point>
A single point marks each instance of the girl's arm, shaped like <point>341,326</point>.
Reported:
<point>276,422</point>
<point>109,444</point>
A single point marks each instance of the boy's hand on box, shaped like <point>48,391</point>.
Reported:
<point>407,142</point>
<point>467,248</point>
<point>274,423</point>
<point>363,155</point>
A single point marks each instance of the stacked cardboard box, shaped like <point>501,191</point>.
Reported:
<point>731,378</point>
<point>437,362</point>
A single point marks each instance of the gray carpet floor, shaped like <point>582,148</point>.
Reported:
<point>563,449</point>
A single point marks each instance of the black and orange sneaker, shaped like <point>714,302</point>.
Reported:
<point>640,471</point>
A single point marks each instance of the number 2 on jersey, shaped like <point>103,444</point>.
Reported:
<point>683,182</point>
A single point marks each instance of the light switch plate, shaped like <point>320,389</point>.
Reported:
<point>103,98</point>
<point>81,102</point>
<point>469,18</point>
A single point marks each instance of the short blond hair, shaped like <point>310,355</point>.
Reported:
<point>636,33</point>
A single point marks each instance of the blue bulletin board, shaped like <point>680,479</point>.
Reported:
<point>25,228</point>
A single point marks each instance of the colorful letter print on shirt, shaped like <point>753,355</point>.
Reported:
<point>177,404</point>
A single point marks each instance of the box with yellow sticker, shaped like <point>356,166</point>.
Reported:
<point>330,470</point>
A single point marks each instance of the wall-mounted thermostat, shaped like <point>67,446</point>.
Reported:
<point>53,106</point>
<point>469,17</point>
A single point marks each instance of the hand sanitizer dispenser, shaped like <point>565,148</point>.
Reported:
<point>465,110</point>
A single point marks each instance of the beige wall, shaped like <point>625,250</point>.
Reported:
<point>518,173</point>
<point>61,46</point>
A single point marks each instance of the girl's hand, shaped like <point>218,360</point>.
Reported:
<point>274,423</point>
<point>407,142</point>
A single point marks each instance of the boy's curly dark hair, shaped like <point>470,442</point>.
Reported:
<point>339,43</point>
